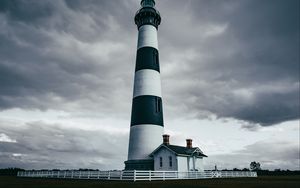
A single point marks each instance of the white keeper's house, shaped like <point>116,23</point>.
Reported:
<point>177,158</point>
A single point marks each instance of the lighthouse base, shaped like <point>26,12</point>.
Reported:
<point>146,164</point>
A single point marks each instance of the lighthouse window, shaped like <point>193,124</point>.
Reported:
<point>155,59</point>
<point>158,105</point>
<point>160,162</point>
<point>151,20</point>
<point>170,161</point>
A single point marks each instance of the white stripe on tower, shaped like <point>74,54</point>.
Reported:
<point>143,140</point>
<point>147,37</point>
<point>147,82</point>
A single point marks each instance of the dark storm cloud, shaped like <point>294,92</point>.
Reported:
<point>40,145</point>
<point>54,52</point>
<point>239,59</point>
<point>236,59</point>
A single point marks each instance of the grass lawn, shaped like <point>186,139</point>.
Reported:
<point>263,182</point>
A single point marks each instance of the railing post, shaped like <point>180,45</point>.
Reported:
<point>164,176</point>
<point>149,175</point>
<point>121,174</point>
<point>108,175</point>
<point>134,174</point>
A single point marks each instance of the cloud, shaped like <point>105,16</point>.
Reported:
<point>56,56</point>
<point>73,61</point>
<point>247,71</point>
<point>5,138</point>
<point>271,155</point>
<point>230,59</point>
<point>40,145</point>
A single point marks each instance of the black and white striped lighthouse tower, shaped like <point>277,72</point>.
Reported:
<point>147,114</point>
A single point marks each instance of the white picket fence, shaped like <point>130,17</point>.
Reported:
<point>136,175</point>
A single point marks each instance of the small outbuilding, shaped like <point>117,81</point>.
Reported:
<point>177,158</point>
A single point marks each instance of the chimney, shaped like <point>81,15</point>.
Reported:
<point>189,143</point>
<point>166,139</point>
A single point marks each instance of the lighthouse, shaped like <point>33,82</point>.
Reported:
<point>147,126</point>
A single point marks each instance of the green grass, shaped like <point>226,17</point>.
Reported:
<point>260,182</point>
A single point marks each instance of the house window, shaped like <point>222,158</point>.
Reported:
<point>170,161</point>
<point>160,162</point>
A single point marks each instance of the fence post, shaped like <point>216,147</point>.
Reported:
<point>121,174</point>
<point>134,174</point>
<point>149,175</point>
<point>164,177</point>
<point>108,175</point>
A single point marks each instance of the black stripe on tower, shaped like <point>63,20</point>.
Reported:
<point>147,58</point>
<point>147,109</point>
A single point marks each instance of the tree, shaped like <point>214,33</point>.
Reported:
<point>255,166</point>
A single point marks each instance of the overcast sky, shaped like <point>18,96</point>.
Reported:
<point>229,70</point>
